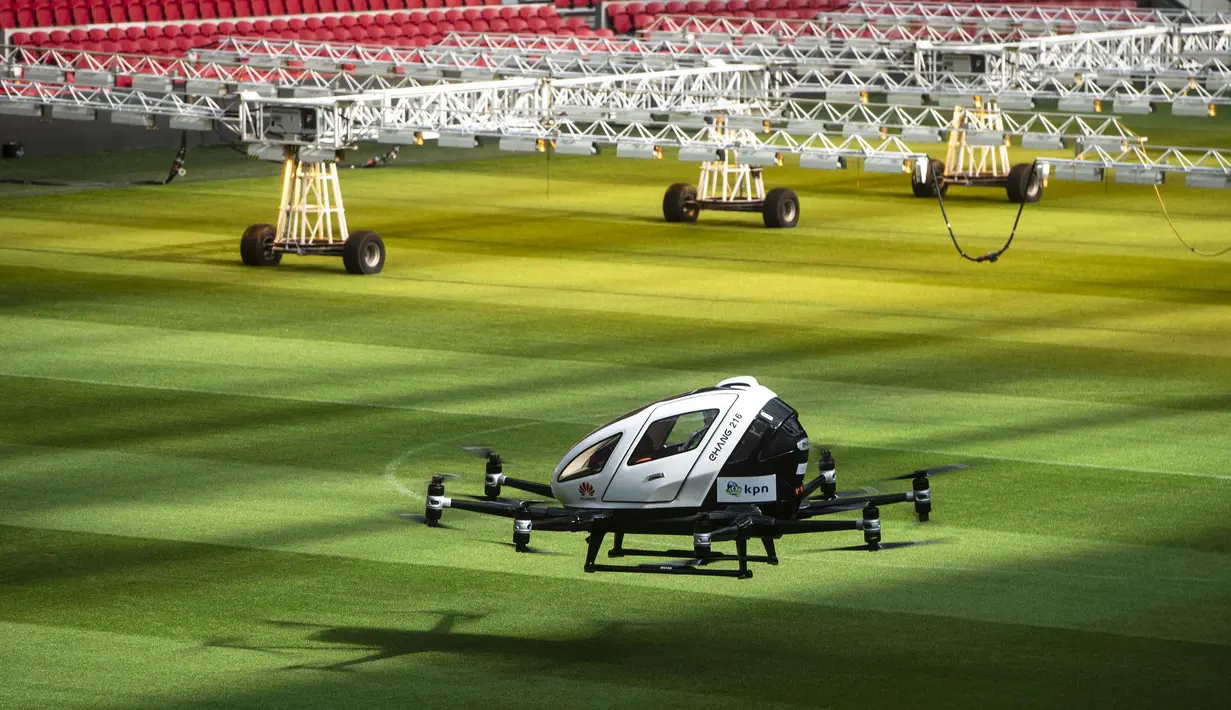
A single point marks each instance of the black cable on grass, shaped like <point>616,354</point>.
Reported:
<point>1176,232</point>
<point>991,256</point>
<point>177,170</point>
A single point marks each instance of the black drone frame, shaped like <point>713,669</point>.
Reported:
<point>734,523</point>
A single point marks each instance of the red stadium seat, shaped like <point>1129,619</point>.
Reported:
<point>347,21</point>
<point>261,26</point>
<point>190,31</point>
<point>207,29</point>
<point>208,10</point>
<point>312,23</point>
<point>226,29</point>
<point>226,8</point>
<point>243,28</point>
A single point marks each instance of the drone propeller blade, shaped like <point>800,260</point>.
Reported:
<point>853,493</point>
<point>482,451</point>
<point>930,471</point>
<point>447,476</point>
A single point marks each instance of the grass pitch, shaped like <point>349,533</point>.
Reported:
<point>203,463</point>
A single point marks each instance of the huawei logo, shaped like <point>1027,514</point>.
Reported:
<point>586,490</point>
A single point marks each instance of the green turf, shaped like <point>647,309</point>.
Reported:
<point>203,463</point>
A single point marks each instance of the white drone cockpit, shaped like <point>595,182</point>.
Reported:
<point>671,453</point>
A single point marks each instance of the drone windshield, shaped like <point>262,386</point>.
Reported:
<point>673,435</point>
<point>590,461</point>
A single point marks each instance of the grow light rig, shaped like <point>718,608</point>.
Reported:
<point>978,156</point>
<point>731,181</point>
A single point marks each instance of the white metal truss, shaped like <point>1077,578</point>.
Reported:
<point>579,115</point>
<point>200,77</point>
<point>1079,92</point>
<point>1149,165</point>
<point>1190,51</point>
<point>1063,19</point>
<point>847,71</point>
<point>1186,59</point>
<point>484,55</point>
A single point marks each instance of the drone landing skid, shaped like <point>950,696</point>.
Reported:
<point>686,562</point>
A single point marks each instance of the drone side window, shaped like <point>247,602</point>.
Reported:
<point>592,460</point>
<point>673,435</point>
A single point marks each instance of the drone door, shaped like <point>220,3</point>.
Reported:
<point>667,449</point>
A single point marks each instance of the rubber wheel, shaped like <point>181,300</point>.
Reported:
<point>680,203</point>
<point>256,246</point>
<point>364,253</point>
<point>781,208</point>
<point>928,187</point>
<point>1022,185</point>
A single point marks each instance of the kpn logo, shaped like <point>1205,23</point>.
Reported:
<point>586,490</point>
<point>734,489</point>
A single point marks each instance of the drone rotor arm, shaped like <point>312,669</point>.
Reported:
<point>539,489</point>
